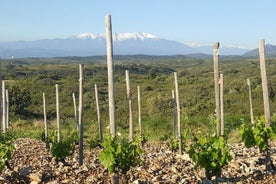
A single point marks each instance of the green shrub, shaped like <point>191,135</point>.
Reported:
<point>119,154</point>
<point>257,134</point>
<point>61,150</point>
<point>6,148</point>
<point>211,153</point>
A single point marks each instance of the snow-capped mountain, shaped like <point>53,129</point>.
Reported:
<point>118,36</point>
<point>89,44</point>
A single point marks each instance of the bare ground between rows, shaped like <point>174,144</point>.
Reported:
<point>33,163</point>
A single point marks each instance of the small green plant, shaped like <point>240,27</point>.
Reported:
<point>119,154</point>
<point>61,150</point>
<point>211,153</point>
<point>257,134</point>
<point>173,142</point>
<point>6,148</point>
<point>52,136</point>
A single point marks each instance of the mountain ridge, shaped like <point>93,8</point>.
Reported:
<point>92,44</point>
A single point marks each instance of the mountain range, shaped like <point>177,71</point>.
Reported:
<point>90,44</point>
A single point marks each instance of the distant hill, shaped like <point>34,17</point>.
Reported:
<point>89,44</point>
<point>270,51</point>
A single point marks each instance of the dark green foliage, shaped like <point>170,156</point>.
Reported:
<point>64,148</point>
<point>20,100</point>
<point>119,154</point>
<point>61,150</point>
<point>257,134</point>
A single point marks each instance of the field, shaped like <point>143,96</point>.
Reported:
<point>27,79</point>
<point>155,77</point>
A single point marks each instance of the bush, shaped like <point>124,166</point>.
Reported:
<point>257,134</point>
<point>61,150</point>
<point>6,148</point>
<point>119,154</point>
<point>211,153</point>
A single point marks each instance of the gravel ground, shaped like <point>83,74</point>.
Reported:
<point>33,163</point>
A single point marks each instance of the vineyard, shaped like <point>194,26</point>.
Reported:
<point>141,119</point>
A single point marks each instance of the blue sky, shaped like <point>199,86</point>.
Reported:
<point>235,22</point>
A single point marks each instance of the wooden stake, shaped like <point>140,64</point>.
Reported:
<point>7,109</point>
<point>268,161</point>
<point>174,114</point>
<point>216,80</point>
<point>250,101</point>
<point>139,111</point>
<point>264,82</point>
<point>45,120</point>
<point>75,111</point>
<point>98,114</point>
<point>81,115</point>
<point>57,109</point>
<point>221,105</point>
<point>109,54</point>
<point>178,113</point>
<point>4,128</point>
<point>129,98</point>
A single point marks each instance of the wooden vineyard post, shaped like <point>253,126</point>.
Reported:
<point>216,80</point>
<point>174,114</point>
<point>4,128</point>
<point>57,109</point>
<point>109,55</point>
<point>45,121</point>
<point>129,98</point>
<point>264,82</point>
<point>268,162</point>
<point>111,87</point>
<point>81,115</point>
<point>7,109</point>
<point>221,105</point>
<point>75,111</point>
<point>178,113</point>
<point>250,101</point>
<point>139,111</point>
<point>98,114</point>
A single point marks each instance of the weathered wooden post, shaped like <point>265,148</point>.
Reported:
<point>178,113</point>
<point>109,54</point>
<point>216,80</point>
<point>7,109</point>
<point>57,109</point>
<point>98,114</point>
<point>4,128</point>
<point>250,101</point>
<point>111,87</point>
<point>139,110</point>
<point>45,121</point>
<point>129,98</point>
<point>174,114</point>
<point>75,110</point>
<point>268,162</point>
<point>81,115</point>
<point>221,105</point>
<point>264,82</point>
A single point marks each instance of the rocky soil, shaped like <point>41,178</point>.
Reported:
<point>33,163</point>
